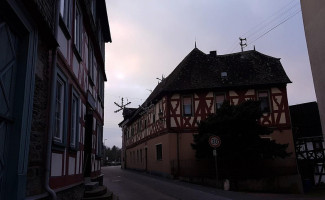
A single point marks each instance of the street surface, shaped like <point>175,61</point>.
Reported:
<point>132,185</point>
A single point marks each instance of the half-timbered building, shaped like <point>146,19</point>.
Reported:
<point>52,96</point>
<point>157,136</point>
<point>309,143</point>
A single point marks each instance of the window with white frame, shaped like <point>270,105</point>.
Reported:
<point>187,105</point>
<point>59,110</point>
<point>263,97</point>
<point>74,120</point>
<point>99,140</point>
<point>65,12</point>
<point>78,29</point>
<point>219,98</point>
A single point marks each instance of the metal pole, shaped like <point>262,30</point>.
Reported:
<point>216,163</point>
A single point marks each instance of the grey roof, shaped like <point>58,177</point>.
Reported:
<point>200,71</point>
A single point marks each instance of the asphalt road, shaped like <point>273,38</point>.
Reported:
<point>132,185</point>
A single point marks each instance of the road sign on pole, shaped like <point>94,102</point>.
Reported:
<point>214,141</point>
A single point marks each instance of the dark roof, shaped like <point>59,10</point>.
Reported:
<point>104,21</point>
<point>203,71</point>
<point>200,71</point>
<point>127,112</point>
<point>305,120</point>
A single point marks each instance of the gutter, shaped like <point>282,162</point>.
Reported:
<point>52,96</point>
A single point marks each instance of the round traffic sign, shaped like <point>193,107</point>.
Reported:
<point>214,141</point>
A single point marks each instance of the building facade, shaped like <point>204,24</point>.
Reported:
<point>313,13</point>
<point>52,89</point>
<point>309,142</point>
<point>157,136</point>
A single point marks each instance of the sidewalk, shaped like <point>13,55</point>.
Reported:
<point>316,194</point>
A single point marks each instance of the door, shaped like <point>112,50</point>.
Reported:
<point>18,47</point>
<point>88,143</point>
<point>8,70</point>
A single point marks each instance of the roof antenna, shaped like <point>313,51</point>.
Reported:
<point>241,43</point>
<point>122,105</point>
<point>254,48</point>
<point>195,43</point>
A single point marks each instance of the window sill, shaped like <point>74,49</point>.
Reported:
<point>58,146</point>
<point>73,149</point>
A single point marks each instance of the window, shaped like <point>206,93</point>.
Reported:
<point>263,96</point>
<point>145,124</point>
<point>154,117</point>
<point>141,155</point>
<point>65,12</point>
<point>78,30</point>
<point>91,62</point>
<point>220,98</point>
<point>137,155</point>
<point>93,9</point>
<point>101,87</point>
<point>74,120</point>
<point>99,140</point>
<point>187,106</point>
<point>60,109</point>
<point>159,151</point>
<point>59,106</point>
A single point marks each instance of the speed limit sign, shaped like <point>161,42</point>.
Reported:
<point>214,141</point>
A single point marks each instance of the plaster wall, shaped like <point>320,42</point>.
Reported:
<point>313,13</point>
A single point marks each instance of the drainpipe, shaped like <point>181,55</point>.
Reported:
<point>52,96</point>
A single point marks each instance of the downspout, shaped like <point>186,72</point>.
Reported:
<point>52,96</point>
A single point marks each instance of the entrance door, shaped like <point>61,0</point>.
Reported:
<point>8,69</point>
<point>18,47</point>
<point>88,143</point>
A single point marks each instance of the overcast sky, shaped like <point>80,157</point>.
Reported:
<point>150,38</point>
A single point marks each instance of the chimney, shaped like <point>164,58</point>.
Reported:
<point>213,53</point>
